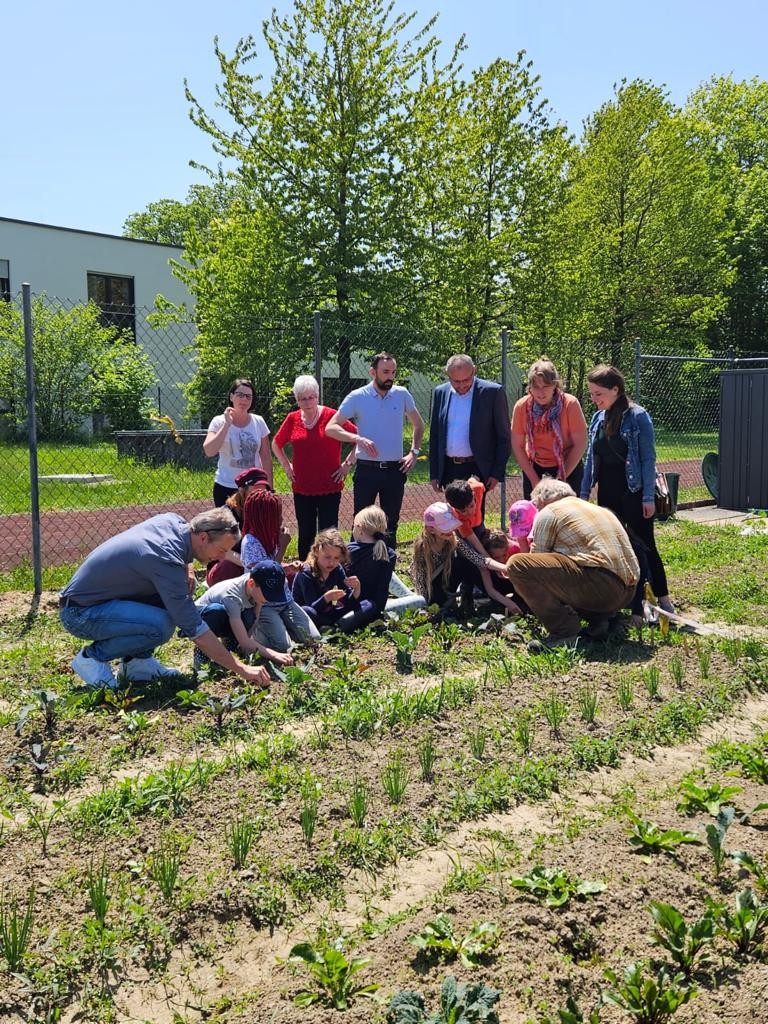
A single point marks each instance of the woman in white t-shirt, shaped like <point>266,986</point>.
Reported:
<point>239,438</point>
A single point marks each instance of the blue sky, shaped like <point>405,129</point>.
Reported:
<point>95,122</point>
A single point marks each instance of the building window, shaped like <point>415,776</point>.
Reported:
<point>115,297</point>
<point>5,280</point>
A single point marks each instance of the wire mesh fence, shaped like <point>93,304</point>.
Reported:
<point>124,396</point>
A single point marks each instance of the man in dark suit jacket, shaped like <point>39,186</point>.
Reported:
<point>469,428</point>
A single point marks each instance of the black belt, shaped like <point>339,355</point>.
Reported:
<point>460,459</point>
<point>392,464</point>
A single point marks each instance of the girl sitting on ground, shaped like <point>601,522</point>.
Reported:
<point>442,561</point>
<point>370,558</point>
<point>322,587</point>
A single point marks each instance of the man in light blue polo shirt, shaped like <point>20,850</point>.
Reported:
<point>379,410</point>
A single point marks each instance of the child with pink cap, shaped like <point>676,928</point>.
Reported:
<point>521,517</point>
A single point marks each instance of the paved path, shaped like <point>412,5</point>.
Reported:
<point>67,536</point>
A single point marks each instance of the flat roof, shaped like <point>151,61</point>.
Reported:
<point>83,231</point>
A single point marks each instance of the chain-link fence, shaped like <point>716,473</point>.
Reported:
<point>124,397</point>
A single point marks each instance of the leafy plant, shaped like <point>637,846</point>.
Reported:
<point>677,670</point>
<point>749,863</point>
<point>46,701</point>
<point>97,887</point>
<point>395,777</point>
<point>647,837</point>
<point>333,973</point>
<point>555,712</point>
<point>745,927</point>
<point>523,730</point>
<point>219,707</point>
<point>438,937</point>
<point>357,804</point>
<point>427,756</point>
<point>749,757</point>
<point>459,1004</point>
<point>588,701</point>
<point>683,944</point>
<point>716,837</point>
<point>241,834</point>
<point>652,680</point>
<point>695,798</point>
<point>406,644</point>
<point>572,1014</point>
<point>15,929</point>
<point>650,998</point>
<point>137,725</point>
<point>42,821</point>
<point>310,803</point>
<point>554,886</point>
<point>704,658</point>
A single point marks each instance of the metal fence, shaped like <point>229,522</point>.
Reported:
<point>112,432</point>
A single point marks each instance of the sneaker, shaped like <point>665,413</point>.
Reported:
<point>598,629</point>
<point>549,643</point>
<point>97,675</point>
<point>142,670</point>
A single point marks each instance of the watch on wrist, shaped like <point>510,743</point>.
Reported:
<point>415,451</point>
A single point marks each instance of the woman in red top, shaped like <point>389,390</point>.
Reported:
<point>315,469</point>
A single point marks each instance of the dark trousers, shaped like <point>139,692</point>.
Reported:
<point>217,620</point>
<point>387,483</point>
<point>463,577</point>
<point>557,590</point>
<point>221,493</point>
<point>314,512</point>
<point>613,493</point>
<point>574,479</point>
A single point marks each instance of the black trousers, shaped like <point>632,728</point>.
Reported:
<point>314,512</point>
<point>574,479</point>
<point>627,506</point>
<point>387,483</point>
<point>221,493</point>
<point>461,471</point>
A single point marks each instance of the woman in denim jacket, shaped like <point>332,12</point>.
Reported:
<point>621,460</point>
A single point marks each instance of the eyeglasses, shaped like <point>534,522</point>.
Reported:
<point>242,394</point>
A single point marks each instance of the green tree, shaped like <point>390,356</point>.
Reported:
<point>81,367</point>
<point>323,151</point>
<point>169,220</point>
<point>642,232</point>
<point>731,121</point>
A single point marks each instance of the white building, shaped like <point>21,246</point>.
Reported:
<point>122,275</point>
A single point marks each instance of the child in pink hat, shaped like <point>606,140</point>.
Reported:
<point>521,517</point>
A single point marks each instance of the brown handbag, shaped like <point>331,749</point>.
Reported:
<point>662,496</point>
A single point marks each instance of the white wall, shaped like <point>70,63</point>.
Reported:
<point>56,261</point>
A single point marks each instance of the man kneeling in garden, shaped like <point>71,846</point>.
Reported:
<point>130,594</point>
<point>582,565</point>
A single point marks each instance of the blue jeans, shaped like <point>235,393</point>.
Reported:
<point>278,624</point>
<point>118,629</point>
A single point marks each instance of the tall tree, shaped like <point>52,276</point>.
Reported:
<point>643,230</point>
<point>731,121</point>
<point>169,220</point>
<point>325,146</point>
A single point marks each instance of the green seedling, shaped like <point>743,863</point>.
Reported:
<point>573,1014</point>
<point>395,777</point>
<point>240,836</point>
<point>683,944</point>
<point>310,803</point>
<point>748,863</point>
<point>46,701</point>
<point>137,726</point>
<point>219,707</point>
<point>15,930</point>
<point>459,1004</point>
<point>588,701</point>
<point>357,804</point>
<point>477,739</point>
<point>406,644</point>
<point>716,837</point>
<point>333,973</point>
<point>677,670</point>
<point>555,887</point>
<point>652,680</point>
<point>42,821</point>
<point>427,756</point>
<point>649,998</point>
<point>695,799</point>
<point>704,658</point>
<point>647,837</point>
<point>744,819</point>
<point>750,758</point>
<point>745,928</point>
<point>164,866</point>
<point>625,693</point>
<point>97,887</point>
<point>120,700</point>
<point>523,731</point>
<point>555,712</point>
<point>438,938</point>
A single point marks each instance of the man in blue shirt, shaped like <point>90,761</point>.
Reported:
<point>379,410</point>
<point>133,590</point>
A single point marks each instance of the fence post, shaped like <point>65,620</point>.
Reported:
<point>34,492</point>
<point>638,362</point>
<point>318,352</point>
<point>503,481</point>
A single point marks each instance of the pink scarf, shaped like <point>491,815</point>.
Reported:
<point>544,419</point>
